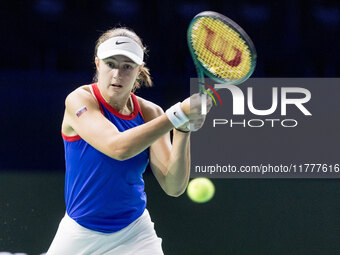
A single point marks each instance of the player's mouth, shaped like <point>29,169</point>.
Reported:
<point>116,86</point>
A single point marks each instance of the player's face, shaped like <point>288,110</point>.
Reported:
<point>117,75</point>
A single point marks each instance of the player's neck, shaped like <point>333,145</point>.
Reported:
<point>122,105</point>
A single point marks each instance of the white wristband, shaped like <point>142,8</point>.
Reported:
<point>176,116</point>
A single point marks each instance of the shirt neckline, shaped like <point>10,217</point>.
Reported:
<point>100,98</point>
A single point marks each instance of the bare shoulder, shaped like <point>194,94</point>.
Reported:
<point>149,109</point>
<point>80,95</point>
<point>78,98</point>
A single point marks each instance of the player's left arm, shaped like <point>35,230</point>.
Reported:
<point>169,162</point>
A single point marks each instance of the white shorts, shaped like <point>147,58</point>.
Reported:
<point>138,238</point>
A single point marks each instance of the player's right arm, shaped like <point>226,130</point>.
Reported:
<point>99,132</point>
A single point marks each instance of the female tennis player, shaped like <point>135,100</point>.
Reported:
<point>110,135</point>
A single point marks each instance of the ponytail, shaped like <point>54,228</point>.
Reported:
<point>143,79</point>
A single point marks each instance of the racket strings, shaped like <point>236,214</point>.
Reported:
<point>220,49</point>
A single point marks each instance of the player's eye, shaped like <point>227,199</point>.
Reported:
<point>127,67</point>
<point>110,64</point>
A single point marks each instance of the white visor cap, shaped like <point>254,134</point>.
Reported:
<point>121,45</point>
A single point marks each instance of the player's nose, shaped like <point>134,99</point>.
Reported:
<point>116,73</point>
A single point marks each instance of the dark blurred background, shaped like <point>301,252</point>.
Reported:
<point>47,50</point>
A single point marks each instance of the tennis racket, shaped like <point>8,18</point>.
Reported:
<point>220,49</point>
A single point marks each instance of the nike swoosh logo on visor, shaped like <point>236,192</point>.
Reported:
<point>117,42</point>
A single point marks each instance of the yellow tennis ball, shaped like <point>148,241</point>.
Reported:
<point>200,190</point>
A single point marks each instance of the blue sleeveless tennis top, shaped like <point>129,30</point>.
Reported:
<point>101,193</point>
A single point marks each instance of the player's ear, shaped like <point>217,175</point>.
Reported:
<point>96,61</point>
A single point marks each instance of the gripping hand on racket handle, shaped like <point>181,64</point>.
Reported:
<point>192,107</point>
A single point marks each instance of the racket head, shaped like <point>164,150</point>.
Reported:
<point>220,48</point>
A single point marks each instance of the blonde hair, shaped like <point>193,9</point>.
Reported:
<point>144,76</point>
